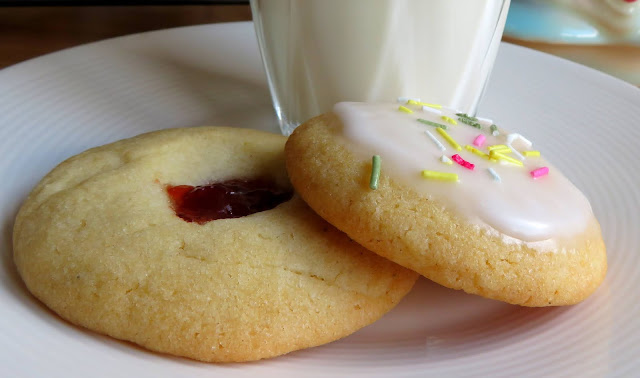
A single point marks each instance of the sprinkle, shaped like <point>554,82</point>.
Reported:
<point>509,159</point>
<point>531,153</point>
<point>485,121</point>
<point>495,175</point>
<point>375,172</point>
<point>413,102</point>
<point>434,124</point>
<point>405,100</point>
<point>431,110</point>
<point>465,115</point>
<point>405,109</point>
<point>505,150</point>
<point>437,106</point>
<point>470,122</point>
<point>445,160</point>
<point>435,140</point>
<point>539,172</point>
<point>513,137</point>
<point>498,147</point>
<point>476,151</point>
<point>518,154</point>
<point>450,120</point>
<point>479,141</point>
<point>442,176</point>
<point>449,139</point>
<point>494,130</point>
<point>462,162</point>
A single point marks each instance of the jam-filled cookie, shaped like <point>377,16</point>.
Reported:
<point>191,242</point>
<point>453,197</point>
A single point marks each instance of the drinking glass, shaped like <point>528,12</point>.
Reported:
<point>320,52</point>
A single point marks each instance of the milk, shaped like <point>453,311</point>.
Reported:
<point>320,52</point>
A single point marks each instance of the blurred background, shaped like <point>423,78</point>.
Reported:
<point>29,28</point>
<point>603,34</point>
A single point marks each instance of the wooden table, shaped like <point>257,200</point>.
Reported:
<point>27,32</point>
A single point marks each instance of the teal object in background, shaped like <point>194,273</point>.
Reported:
<point>575,21</point>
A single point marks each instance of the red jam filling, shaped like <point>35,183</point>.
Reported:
<point>222,200</point>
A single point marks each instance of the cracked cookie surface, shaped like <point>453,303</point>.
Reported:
<point>99,243</point>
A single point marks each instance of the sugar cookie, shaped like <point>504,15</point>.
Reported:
<point>100,241</point>
<point>468,205</point>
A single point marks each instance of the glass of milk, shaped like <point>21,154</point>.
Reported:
<point>320,52</point>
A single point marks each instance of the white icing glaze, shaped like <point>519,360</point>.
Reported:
<point>518,207</point>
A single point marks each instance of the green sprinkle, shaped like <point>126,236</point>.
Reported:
<point>494,130</point>
<point>470,122</point>
<point>375,172</point>
<point>465,115</point>
<point>434,124</point>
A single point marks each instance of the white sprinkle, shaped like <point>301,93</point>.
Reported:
<point>495,175</point>
<point>512,137</point>
<point>436,141</point>
<point>518,154</point>
<point>454,111</point>
<point>429,109</point>
<point>485,121</point>
<point>445,160</point>
<point>526,141</point>
<point>404,100</point>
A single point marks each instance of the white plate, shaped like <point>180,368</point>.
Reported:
<point>586,122</point>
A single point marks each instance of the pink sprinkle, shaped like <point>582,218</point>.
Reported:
<point>539,172</point>
<point>462,162</point>
<point>479,140</point>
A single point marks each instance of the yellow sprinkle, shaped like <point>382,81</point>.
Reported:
<point>450,120</point>
<point>430,105</point>
<point>442,176</point>
<point>405,109</point>
<point>506,158</point>
<point>531,153</point>
<point>476,151</point>
<point>501,150</point>
<point>413,102</point>
<point>449,139</point>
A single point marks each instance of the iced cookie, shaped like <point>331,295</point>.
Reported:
<point>121,239</point>
<point>457,199</point>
